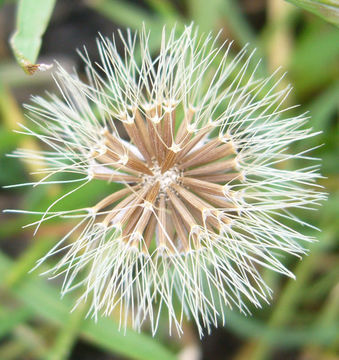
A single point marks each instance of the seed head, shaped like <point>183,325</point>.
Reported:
<point>198,146</point>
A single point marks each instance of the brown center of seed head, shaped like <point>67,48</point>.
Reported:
<point>165,179</point>
<point>174,187</point>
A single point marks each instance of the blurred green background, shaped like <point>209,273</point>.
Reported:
<point>302,321</point>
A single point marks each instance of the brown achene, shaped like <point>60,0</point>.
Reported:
<point>175,179</point>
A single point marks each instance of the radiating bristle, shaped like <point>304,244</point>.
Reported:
<point>194,139</point>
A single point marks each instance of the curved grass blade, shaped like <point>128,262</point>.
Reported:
<point>31,22</point>
<point>326,9</point>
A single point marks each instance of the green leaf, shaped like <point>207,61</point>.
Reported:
<point>128,15</point>
<point>10,319</point>
<point>45,301</point>
<point>124,13</point>
<point>314,61</point>
<point>249,327</point>
<point>237,22</point>
<point>323,107</point>
<point>205,14</point>
<point>31,22</point>
<point>326,9</point>
<point>8,140</point>
<point>67,336</point>
<point>164,7</point>
<point>27,261</point>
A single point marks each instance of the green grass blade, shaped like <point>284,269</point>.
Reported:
<point>67,336</point>
<point>316,53</point>
<point>163,7</point>
<point>26,262</point>
<point>237,22</point>
<point>326,9</point>
<point>45,301</point>
<point>10,319</point>
<point>123,13</point>
<point>249,327</point>
<point>31,22</point>
<point>323,107</point>
<point>205,14</point>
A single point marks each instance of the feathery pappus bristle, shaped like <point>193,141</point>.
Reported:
<point>197,143</point>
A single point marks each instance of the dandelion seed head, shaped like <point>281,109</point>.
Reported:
<point>196,142</point>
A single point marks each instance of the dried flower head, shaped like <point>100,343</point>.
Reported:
<point>196,143</point>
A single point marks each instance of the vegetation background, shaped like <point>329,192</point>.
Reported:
<point>302,321</point>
